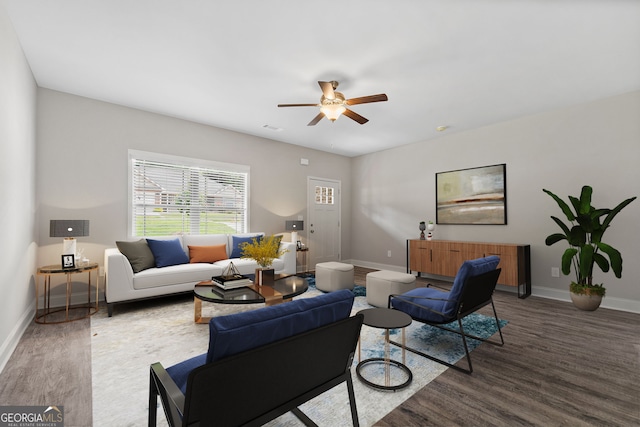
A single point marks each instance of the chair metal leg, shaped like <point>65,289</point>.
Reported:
<point>153,401</point>
<point>464,342</point>
<point>352,401</point>
<point>304,418</point>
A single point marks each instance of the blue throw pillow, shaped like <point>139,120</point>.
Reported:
<point>167,252</point>
<point>238,240</point>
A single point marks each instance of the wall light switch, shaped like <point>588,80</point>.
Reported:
<point>304,162</point>
<point>555,272</point>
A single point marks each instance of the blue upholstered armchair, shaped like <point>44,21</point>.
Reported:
<point>472,289</point>
<point>258,364</point>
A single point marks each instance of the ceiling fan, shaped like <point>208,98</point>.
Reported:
<point>333,104</point>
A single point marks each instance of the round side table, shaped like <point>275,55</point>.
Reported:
<point>385,318</point>
<point>49,270</point>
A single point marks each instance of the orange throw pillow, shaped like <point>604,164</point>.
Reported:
<point>208,254</point>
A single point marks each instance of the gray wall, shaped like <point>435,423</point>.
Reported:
<point>17,190</point>
<point>82,168</point>
<point>596,144</point>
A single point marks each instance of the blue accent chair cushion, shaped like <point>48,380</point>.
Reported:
<point>439,301</point>
<point>167,252</point>
<point>236,333</point>
<point>236,251</point>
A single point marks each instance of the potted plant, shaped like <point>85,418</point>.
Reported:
<point>586,248</point>
<point>263,250</point>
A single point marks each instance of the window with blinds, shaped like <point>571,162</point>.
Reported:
<point>175,195</point>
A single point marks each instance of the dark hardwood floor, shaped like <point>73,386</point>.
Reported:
<point>559,367</point>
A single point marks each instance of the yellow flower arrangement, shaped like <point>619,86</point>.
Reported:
<point>263,251</point>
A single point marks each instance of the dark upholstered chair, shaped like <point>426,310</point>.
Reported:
<point>472,289</point>
<point>262,364</point>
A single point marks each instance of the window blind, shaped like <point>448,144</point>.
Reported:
<point>183,197</point>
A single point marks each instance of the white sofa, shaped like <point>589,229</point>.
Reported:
<point>122,284</point>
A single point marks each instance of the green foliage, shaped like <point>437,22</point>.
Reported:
<point>263,251</point>
<point>584,236</point>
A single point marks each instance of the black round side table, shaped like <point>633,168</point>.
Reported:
<point>385,318</point>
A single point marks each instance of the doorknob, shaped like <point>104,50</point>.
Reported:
<point>311,231</point>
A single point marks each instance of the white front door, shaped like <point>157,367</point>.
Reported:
<point>323,199</point>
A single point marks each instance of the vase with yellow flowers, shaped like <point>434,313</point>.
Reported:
<point>263,250</point>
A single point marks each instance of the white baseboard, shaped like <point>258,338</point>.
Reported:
<point>374,265</point>
<point>9,345</point>
<point>607,302</point>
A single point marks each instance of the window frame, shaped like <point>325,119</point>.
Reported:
<point>187,162</point>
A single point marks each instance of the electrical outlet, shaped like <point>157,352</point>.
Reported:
<point>101,271</point>
<point>555,272</point>
<point>389,253</point>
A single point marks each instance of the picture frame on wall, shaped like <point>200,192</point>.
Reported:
<point>472,196</point>
<point>68,261</point>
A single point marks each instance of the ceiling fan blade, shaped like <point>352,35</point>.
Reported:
<point>327,90</point>
<point>316,119</point>
<point>298,105</point>
<point>367,99</point>
<point>355,116</point>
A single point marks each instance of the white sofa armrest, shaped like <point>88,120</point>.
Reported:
<point>118,275</point>
<point>289,258</point>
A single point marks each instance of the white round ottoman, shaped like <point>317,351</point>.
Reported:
<point>381,284</point>
<point>333,276</point>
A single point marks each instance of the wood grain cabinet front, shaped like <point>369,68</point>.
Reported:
<point>444,258</point>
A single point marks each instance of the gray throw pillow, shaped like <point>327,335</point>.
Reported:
<point>138,253</point>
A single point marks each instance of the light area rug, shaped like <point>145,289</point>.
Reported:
<point>125,345</point>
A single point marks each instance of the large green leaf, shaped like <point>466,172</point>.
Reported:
<point>577,236</point>
<point>567,257</point>
<point>585,200</point>
<point>614,256</point>
<point>554,238</point>
<point>601,261</point>
<point>562,225</point>
<point>563,206</point>
<point>615,211</point>
<point>586,261</point>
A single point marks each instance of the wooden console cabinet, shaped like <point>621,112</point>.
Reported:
<point>444,258</point>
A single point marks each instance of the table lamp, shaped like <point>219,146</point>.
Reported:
<point>69,229</point>
<point>294,227</point>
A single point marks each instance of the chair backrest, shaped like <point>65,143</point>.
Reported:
<point>478,292</point>
<point>232,334</point>
<point>469,268</point>
<point>256,386</point>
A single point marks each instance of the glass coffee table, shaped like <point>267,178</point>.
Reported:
<point>284,288</point>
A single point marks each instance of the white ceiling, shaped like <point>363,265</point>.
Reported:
<point>457,63</point>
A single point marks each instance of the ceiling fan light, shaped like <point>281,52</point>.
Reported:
<point>332,112</point>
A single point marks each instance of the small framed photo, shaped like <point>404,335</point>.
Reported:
<point>68,261</point>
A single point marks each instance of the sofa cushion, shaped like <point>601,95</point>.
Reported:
<point>208,254</point>
<point>206,240</point>
<point>138,253</point>
<point>174,275</point>
<point>236,251</point>
<point>167,252</point>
